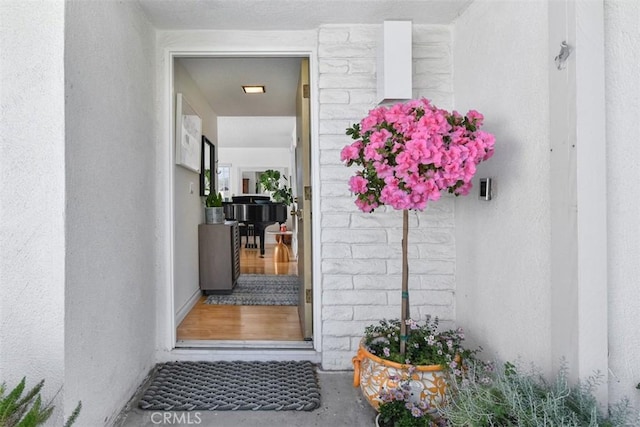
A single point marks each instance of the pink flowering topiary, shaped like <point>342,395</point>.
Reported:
<point>411,152</point>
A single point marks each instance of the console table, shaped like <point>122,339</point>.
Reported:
<point>219,257</point>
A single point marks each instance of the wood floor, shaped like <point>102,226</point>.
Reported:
<point>242,322</point>
<point>251,263</point>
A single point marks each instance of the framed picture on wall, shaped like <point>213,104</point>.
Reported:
<point>207,167</point>
<point>188,135</point>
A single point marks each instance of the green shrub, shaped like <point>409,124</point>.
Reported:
<point>509,397</point>
<point>28,410</point>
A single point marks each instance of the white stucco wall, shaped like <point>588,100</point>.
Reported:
<point>32,197</point>
<point>361,253</point>
<point>502,259</point>
<point>189,209</point>
<point>622,54</point>
<point>111,246</point>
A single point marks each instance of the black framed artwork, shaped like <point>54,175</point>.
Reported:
<point>207,167</point>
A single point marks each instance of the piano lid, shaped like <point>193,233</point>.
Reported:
<point>251,210</point>
<point>251,198</point>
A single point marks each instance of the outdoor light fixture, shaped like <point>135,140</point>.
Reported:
<point>394,66</point>
<point>253,89</point>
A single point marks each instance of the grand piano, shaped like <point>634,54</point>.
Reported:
<point>257,211</point>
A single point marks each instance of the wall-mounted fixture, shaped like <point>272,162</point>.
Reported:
<point>394,67</point>
<point>561,59</point>
<point>486,190</point>
<point>253,88</point>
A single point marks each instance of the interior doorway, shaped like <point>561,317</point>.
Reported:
<point>206,324</point>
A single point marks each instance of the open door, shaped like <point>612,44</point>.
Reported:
<point>302,205</point>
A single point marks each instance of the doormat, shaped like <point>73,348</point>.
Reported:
<point>232,386</point>
<point>258,289</point>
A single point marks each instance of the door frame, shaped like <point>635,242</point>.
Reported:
<point>166,316</point>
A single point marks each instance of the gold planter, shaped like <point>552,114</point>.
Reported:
<point>373,374</point>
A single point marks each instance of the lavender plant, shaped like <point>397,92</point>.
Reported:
<point>510,397</point>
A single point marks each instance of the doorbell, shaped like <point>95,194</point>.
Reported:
<point>485,189</point>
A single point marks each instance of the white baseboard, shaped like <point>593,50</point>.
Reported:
<point>186,308</point>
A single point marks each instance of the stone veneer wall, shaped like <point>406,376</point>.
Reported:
<point>361,253</point>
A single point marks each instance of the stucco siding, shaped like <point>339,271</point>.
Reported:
<point>110,211</point>
<point>32,197</point>
<point>502,260</point>
<point>622,54</point>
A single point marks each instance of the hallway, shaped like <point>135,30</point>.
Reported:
<point>238,322</point>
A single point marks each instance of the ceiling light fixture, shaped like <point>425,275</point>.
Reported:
<point>253,89</point>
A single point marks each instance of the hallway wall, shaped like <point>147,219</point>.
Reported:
<point>111,215</point>
<point>258,159</point>
<point>189,208</point>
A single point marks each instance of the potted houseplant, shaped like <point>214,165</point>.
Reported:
<point>271,181</point>
<point>213,211</point>
<point>408,154</point>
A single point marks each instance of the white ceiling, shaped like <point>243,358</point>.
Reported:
<point>220,79</point>
<point>249,120</point>
<point>294,14</point>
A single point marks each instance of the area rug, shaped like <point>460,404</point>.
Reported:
<point>232,386</point>
<point>258,289</point>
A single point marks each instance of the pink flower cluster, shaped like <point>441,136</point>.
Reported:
<point>411,152</point>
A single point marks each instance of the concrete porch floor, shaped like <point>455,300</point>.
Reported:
<point>341,405</point>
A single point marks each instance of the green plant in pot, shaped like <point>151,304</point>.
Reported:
<point>214,211</point>
<point>272,181</point>
<point>408,154</point>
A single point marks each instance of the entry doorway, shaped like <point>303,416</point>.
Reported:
<point>209,322</point>
<point>206,324</point>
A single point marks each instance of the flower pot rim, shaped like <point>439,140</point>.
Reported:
<point>422,368</point>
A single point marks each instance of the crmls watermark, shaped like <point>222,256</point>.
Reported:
<point>176,418</point>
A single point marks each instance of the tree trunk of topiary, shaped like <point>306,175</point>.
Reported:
<point>405,284</point>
